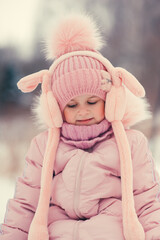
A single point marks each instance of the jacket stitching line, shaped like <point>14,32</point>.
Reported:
<point>78,184</point>
<point>38,147</point>
<point>108,211</point>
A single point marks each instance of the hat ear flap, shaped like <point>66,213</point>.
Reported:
<point>130,82</point>
<point>50,108</point>
<point>30,82</point>
<point>116,104</point>
<point>116,98</point>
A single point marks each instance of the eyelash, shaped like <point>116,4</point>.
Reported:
<point>72,106</point>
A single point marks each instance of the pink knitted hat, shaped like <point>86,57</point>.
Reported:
<point>75,76</point>
<point>78,69</point>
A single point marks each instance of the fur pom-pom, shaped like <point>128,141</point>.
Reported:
<point>37,114</point>
<point>137,110</point>
<point>73,32</point>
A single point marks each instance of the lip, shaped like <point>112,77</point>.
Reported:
<point>85,120</point>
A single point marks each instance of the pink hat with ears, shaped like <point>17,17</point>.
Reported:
<point>79,68</point>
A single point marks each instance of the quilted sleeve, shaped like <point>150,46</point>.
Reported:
<point>146,184</point>
<point>21,209</point>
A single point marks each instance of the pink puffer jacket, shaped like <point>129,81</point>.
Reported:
<point>86,189</point>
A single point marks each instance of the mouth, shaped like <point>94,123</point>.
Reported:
<point>84,120</point>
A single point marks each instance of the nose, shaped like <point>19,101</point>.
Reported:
<point>83,110</point>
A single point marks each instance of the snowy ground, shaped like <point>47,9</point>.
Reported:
<point>16,132</point>
<point>7,191</point>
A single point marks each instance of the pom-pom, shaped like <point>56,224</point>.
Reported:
<point>73,32</point>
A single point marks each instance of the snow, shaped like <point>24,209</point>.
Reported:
<point>7,187</point>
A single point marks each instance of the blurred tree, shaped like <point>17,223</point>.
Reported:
<point>7,86</point>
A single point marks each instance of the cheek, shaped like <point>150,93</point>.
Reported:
<point>101,109</point>
<point>68,115</point>
<point>65,114</point>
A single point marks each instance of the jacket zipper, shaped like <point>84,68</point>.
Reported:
<point>78,185</point>
<point>75,231</point>
<point>76,196</point>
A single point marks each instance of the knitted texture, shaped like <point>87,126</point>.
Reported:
<point>75,76</point>
<point>83,136</point>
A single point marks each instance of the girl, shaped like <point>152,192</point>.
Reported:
<point>88,176</point>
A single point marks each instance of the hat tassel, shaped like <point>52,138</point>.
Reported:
<point>131,226</point>
<point>38,228</point>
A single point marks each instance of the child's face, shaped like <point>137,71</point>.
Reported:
<point>84,107</point>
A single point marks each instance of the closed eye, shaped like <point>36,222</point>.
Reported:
<point>92,102</point>
<point>71,106</point>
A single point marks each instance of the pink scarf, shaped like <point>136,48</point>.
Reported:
<point>83,136</point>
